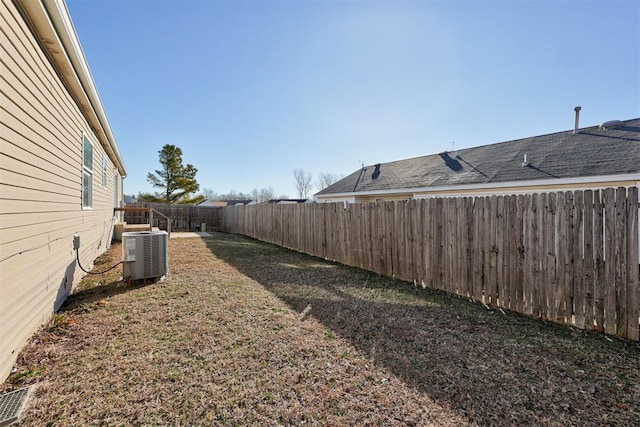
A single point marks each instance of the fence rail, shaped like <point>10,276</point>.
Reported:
<point>567,257</point>
<point>148,213</point>
<point>182,217</point>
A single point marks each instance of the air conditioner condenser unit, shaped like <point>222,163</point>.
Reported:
<point>145,255</point>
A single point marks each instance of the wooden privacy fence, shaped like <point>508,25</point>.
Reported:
<point>183,217</point>
<point>567,257</point>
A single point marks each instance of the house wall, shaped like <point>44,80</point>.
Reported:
<point>529,189</point>
<point>41,135</point>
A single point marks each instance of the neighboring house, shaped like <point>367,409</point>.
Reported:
<point>288,201</point>
<point>221,203</point>
<point>589,158</point>
<point>60,169</point>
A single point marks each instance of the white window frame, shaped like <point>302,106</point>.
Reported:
<point>117,190</point>
<point>116,186</point>
<point>87,174</point>
<point>105,161</point>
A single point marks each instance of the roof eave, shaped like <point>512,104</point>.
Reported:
<point>57,36</point>
<point>599,179</point>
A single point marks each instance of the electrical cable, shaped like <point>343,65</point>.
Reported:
<point>89,272</point>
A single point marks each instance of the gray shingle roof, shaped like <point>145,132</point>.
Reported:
<point>591,152</point>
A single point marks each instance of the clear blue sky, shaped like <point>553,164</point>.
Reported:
<point>251,90</point>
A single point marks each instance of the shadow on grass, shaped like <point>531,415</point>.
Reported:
<point>492,366</point>
<point>96,293</point>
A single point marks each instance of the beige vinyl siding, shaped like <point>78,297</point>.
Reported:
<point>40,188</point>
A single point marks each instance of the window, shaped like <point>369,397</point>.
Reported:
<point>87,173</point>
<point>104,171</point>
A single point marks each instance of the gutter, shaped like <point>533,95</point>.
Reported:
<point>601,179</point>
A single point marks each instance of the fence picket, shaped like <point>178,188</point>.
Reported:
<point>609,261</point>
<point>466,242</point>
<point>589,260</point>
<point>478,252</point>
<point>513,252</point>
<point>420,240</point>
<point>391,238</point>
<point>430,229</point>
<point>599,241</point>
<point>535,256</point>
<point>549,258</point>
<point>633,293</point>
<point>579,301</point>
<point>621,263</point>
<point>520,270</point>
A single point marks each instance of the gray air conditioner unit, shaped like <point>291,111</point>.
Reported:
<point>145,255</point>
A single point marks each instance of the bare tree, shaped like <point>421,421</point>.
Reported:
<point>263,195</point>
<point>209,194</point>
<point>260,195</point>
<point>303,182</point>
<point>325,179</point>
<point>234,195</point>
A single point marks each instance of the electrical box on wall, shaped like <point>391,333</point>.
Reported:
<point>145,255</point>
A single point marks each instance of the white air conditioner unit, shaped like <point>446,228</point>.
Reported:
<point>145,255</point>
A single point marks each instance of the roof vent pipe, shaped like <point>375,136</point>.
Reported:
<point>577,110</point>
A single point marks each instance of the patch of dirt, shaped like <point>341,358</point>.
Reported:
<point>246,333</point>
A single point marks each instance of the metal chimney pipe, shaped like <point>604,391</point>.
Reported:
<point>577,110</point>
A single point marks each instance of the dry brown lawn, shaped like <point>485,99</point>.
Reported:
<point>246,333</point>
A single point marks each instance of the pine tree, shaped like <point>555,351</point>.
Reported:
<point>176,180</point>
